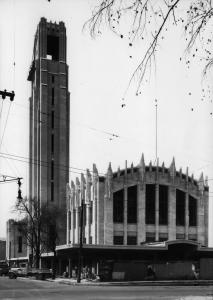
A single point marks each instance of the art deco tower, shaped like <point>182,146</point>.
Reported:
<point>49,118</point>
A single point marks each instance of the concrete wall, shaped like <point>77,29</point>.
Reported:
<point>12,244</point>
<point>2,250</point>
<point>137,270</point>
<point>206,268</point>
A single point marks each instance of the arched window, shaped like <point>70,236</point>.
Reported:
<point>192,211</point>
<point>150,204</point>
<point>163,205</point>
<point>118,206</point>
<point>180,207</point>
<point>132,204</point>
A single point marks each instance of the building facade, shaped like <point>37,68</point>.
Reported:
<point>16,244</point>
<point>2,249</point>
<point>139,205</point>
<point>136,217</point>
<point>49,118</point>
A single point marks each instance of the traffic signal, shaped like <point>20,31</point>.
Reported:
<point>19,183</point>
<point>19,189</point>
<point>4,94</point>
<point>12,95</point>
<point>19,194</point>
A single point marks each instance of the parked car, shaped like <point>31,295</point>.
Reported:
<point>4,268</point>
<point>40,274</point>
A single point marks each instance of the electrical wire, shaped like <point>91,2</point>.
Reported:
<point>5,125</point>
<point>63,119</point>
<point>59,166</point>
<point>11,164</point>
<point>44,163</point>
<point>1,108</point>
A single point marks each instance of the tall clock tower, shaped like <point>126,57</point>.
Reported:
<point>49,118</point>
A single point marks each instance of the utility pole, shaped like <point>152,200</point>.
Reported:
<point>5,94</point>
<point>80,251</point>
<point>81,242</point>
<point>156,130</point>
<point>7,178</point>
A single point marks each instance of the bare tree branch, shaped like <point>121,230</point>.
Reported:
<point>38,226</point>
<point>194,17</point>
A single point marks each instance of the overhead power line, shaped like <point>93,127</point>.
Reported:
<point>59,166</point>
<point>63,119</point>
<point>8,112</point>
<point>43,163</point>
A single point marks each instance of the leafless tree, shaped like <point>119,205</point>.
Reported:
<point>38,225</point>
<point>149,20</point>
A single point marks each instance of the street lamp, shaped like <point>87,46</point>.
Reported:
<point>82,203</point>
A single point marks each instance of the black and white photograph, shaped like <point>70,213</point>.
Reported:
<point>106,149</point>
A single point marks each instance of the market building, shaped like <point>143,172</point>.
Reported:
<point>138,216</point>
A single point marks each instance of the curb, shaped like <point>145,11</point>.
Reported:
<point>137,283</point>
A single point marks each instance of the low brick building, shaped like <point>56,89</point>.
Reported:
<point>137,215</point>
<point>2,249</point>
<point>16,246</point>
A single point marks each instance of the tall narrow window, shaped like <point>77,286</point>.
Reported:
<point>52,143</point>
<point>52,191</point>
<point>180,208</point>
<point>192,211</point>
<point>84,215</point>
<point>74,219</point>
<point>53,78</point>
<point>53,96</point>
<point>163,205</point>
<point>20,244</point>
<point>150,204</point>
<point>118,206</point>
<point>91,212</point>
<point>131,240</point>
<point>70,220</point>
<point>79,218</point>
<point>52,170</point>
<point>118,240</point>
<point>52,119</point>
<point>53,47</point>
<point>132,204</point>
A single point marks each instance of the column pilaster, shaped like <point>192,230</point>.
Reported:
<point>125,215</point>
<point>187,216</point>
<point>141,225</point>
<point>172,213</point>
<point>77,226</point>
<point>157,212</point>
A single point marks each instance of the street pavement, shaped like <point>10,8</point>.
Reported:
<point>24,288</point>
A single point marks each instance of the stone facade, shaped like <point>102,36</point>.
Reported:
<point>49,118</point>
<point>16,246</point>
<point>2,249</point>
<point>155,204</point>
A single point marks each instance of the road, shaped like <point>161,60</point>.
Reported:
<point>44,290</point>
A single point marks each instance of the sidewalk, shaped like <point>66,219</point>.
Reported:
<point>70,281</point>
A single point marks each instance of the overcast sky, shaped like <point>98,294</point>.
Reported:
<point>99,72</point>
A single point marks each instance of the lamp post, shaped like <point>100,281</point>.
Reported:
<point>82,203</point>
<point>5,94</point>
<point>80,244</point>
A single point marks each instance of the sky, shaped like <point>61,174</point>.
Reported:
<point>99,73</point>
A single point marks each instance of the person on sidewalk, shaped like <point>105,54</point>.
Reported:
<point>150,273</point>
